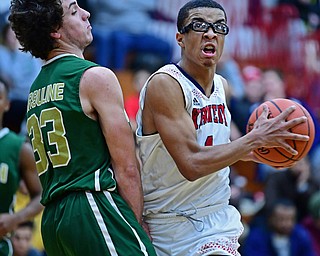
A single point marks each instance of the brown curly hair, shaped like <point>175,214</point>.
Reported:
<point>32,21</point>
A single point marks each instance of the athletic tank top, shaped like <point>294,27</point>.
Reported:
<point>165,189</point>
<point>69,147</point>
<point>10,147</point>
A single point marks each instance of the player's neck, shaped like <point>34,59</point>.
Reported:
<point>58,51</point>
<point>204,76</point>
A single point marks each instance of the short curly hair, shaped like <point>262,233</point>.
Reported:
<point>32,21</point>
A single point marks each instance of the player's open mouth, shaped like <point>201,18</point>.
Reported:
<point>209,50</point>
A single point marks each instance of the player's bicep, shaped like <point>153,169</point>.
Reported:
<point>118,134</point>
<point>107,101</point>
<point>172,121</point>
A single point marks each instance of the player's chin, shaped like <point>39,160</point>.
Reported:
<point>209,62</point>
<point>89,40</point>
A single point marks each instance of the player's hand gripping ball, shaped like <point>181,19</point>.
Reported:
<point>277,156</point>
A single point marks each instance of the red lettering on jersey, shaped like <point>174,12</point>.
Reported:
<point>204,115</point>
<point>195,114</point>
<point>209,114</point>
<point>222,114</point>
<point>214,113</point>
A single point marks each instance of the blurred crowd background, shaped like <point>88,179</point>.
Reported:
<point>272,51</point>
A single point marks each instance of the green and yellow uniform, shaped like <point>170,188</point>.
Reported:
<point>10,147</point>
<point>84,214</point>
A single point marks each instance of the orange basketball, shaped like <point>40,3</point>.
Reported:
<point>278,157</point>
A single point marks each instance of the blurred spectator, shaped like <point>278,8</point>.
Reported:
<point>309,11</point>
<point>16,163</point>
<point>241,108</point>
<point>280,235</point>
<point>20,69</point>
<point>295,183</point>
<point>21,240</point>
<point>4,12</point>
<point>312,222</point>
<point>143,66</point>
<point>22,199</point>
<point>164,24</point>
<point>229,68</point>
<point>312,88</point>
<point>131,103</point>
<point>120,28</point>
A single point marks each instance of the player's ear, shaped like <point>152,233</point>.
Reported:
<point>55,35</point>
<point>180,39</point>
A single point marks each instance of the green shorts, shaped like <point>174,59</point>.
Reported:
<point>5,247</point>
<point>92,224</point>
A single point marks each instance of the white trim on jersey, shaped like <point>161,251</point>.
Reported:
<point>101,224</point>
<point>113,204</point>
<point>104,228</point>
<point>97,180</point>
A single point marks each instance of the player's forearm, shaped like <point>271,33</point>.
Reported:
<point>30,211</point>
<point>207,160</point>
<point>130,188</point>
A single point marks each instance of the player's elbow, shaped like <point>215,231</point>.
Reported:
<point>192,177</point>
<point>189,171</point>
<point>129,173</point>
<point>132,172</point>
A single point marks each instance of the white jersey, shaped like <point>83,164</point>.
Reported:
<point>165,189</point>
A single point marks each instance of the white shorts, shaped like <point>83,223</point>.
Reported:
<point>209,231</point>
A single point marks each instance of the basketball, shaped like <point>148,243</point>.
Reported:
<point>277,156</point>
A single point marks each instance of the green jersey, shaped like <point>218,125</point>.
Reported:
<point>69,147</point>
<point>10,147</point>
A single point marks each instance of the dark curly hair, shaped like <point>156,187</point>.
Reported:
<point>32,21</point>
<point>184,11</point>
